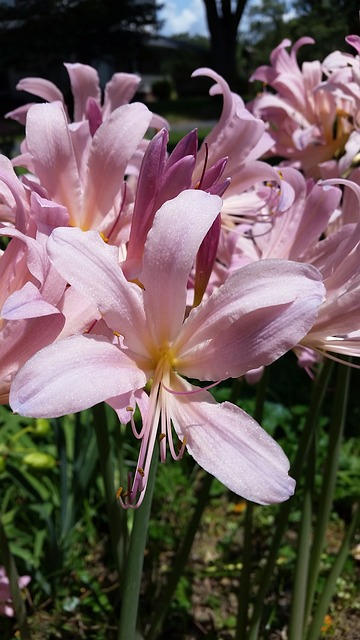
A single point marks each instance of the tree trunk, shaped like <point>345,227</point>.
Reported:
<point>223,27</point>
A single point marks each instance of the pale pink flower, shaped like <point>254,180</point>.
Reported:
<point>241,139</point>
<point>319,230</point>
<point>309,124</point>
<point>337,326</point>
<point>90,110</point>
<point>226,164</point>
<point>85,174</point>
<point>36,308</point>
<point>6,607</point>
<point>248,322</point>
<point>86,91</point>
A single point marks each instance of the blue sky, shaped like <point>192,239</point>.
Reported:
<point>188,16</point>
<point>183,16</point>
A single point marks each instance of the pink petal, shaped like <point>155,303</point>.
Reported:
<point>26,303</point>
<point>250,321</point>
<point>19,341</point>
<point>84,84</point>
<point>112,147</point>
<point>230,445</point>
<point>42,88</point>
<point>71,375</point>
<point>120,90</point>
<point>91,267</point>
<point>53,155</point>
<point>179,227</point>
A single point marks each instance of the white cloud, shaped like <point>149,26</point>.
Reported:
<point>183,17</point>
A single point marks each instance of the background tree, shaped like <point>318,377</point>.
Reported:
<point>223,18</point>
<point>268,22</point>
<point>338,17</point>
<point>48,31</point>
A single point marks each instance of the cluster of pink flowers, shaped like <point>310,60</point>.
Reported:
<point>312,113</point>
<point>6,603</point>
<point>132,271</point>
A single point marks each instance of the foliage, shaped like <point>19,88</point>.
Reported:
<point>93,28</point>
<point>55,519</point>
<point>223,20</point>
<point>270,21</point>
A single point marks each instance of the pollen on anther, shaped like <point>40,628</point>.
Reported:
<point>117,334</point>
<point>141,471</point>
<point>162,436</point>
<point>119,492</point>
<point>130,409</point>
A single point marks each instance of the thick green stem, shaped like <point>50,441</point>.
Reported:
<point>244,590</point>
<point>297,622</point>
<point>330,584</point>
<point>181,558</point>
<point>329,479</point>
<point>135,559</point>
<point>12,574</point>
<point>318,392</point>
<point>116,516</point>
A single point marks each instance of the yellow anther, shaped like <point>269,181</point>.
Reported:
<point>141,471</point>
<point>119,492</point>
<point>106,240</point>
<point>129,408</point>
<point>162,436</point>
<point>117,334</point>
<point>139,284</point>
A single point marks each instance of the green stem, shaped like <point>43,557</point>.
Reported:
<point>317,396</point>
<point>329,479</point>
<point>135,559</point>
<point>116,515</point>
<point>330,584</point>
<point>297,620</point>
<point>181,559</point>
<point>244,590</point>
<point>12,574</point>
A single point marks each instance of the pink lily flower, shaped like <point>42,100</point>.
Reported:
<point>36,308</point>
<point>85,87</point>
<point>309,124</point>
<point>337,327</point>
<point>85,174</point>
<point>319,230</point>
<point>248,322</point>
<point>240,138</point>
<point>89,110</point>
<point>6,608</point>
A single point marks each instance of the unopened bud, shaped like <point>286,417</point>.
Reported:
<point>39,460</point>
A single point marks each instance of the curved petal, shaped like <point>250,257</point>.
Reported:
<point>112,147</point>
<point>20,340</point>
<point>230,445</point>
<point>26,303</point>
<point>236,132</point>
<point>91,267</point>
<point>42,88</point>
<point>71,375</point>
<point>263,310</point>
<point>85,84</point>
<point>49,143</point>
<point>179,227</point>
<point>119,90</point>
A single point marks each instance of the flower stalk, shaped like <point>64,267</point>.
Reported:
<point>132,579</point>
